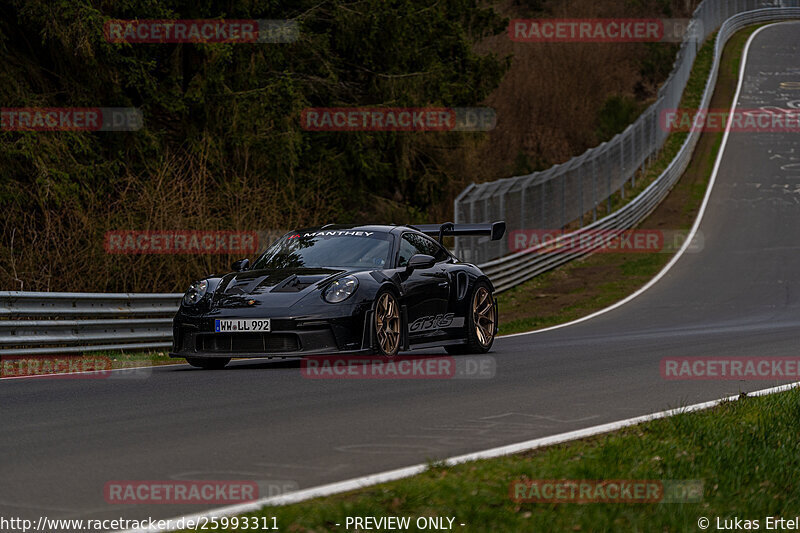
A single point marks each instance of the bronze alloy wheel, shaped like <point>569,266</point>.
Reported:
<point>387,324</point>
<point>483,316</point>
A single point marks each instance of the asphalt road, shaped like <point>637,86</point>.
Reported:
<point>63,440</point>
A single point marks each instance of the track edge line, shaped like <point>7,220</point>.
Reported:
<point>400,473</point>
<point>663,272</point>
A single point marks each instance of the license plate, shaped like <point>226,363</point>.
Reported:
<point>241,325</point>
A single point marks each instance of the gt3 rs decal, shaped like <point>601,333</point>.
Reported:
<point>427,323</point>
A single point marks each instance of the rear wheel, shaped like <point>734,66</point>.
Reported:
<point>210,363</point>
<point>481,322</point>
<point>387,324</point>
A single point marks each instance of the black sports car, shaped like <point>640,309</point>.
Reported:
<point>342,289</point>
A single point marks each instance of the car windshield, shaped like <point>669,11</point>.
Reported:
<point>328,248</point>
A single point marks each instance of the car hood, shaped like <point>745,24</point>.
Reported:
<point>275,288</point>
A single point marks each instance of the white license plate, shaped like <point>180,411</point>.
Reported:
<point>241,325</point>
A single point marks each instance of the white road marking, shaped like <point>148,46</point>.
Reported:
<point>392,475</point>
<point>697,221</point>
<point>400,473</point>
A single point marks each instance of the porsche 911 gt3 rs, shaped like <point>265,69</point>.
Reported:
<point>342,289</point>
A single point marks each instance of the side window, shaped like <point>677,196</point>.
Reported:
<point>432,248</point>
<point>439,252</point>
<point>412,244</point>
<point>408,247</point>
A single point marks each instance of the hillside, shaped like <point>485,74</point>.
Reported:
<point>222,146</point>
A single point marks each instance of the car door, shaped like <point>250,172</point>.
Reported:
<point>426,291</point>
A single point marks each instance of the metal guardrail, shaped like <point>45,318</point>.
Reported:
<point>34,323</point>
<point>511,270</point>
<point>564,194</point>
<point>64,322</point>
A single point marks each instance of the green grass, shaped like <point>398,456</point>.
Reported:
<point>131,359</point>
<point>744,453</point>
<point>691,98</point>
<point>101,360</point>
<point>636,270</point>
<point>632,270</point>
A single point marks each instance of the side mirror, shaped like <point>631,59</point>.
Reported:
<point>420,261</point>
<point>241,265</point>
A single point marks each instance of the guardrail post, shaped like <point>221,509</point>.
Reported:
<point>622,167</point>
<point>502,243</point>
<point>608,186</point>
<point>643,150</point>
<point>594,188</point>
<point>653,139</point>
<point>517,268</point>
<point>580,193</point>
<point>563,201</point>
<point>473,252</point>
<point>543,215</point>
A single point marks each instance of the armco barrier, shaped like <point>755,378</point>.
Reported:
<point>564,194</point>
<point>33,323</point>
<point>511,270</point>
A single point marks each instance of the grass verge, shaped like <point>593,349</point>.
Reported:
<point>744,453</point>
<point>46,364</point>
<point>135,359</point>
<point>589,284</point>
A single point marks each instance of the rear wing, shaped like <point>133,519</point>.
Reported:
<point>495,230</point>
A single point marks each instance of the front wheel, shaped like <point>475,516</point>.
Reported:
<point>481,322</point>
<point>210,363</point>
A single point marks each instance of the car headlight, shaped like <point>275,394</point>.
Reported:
<point>196,291</point>
<point>340,290</point>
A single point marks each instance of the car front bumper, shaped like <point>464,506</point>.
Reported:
<point>195,337</point>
